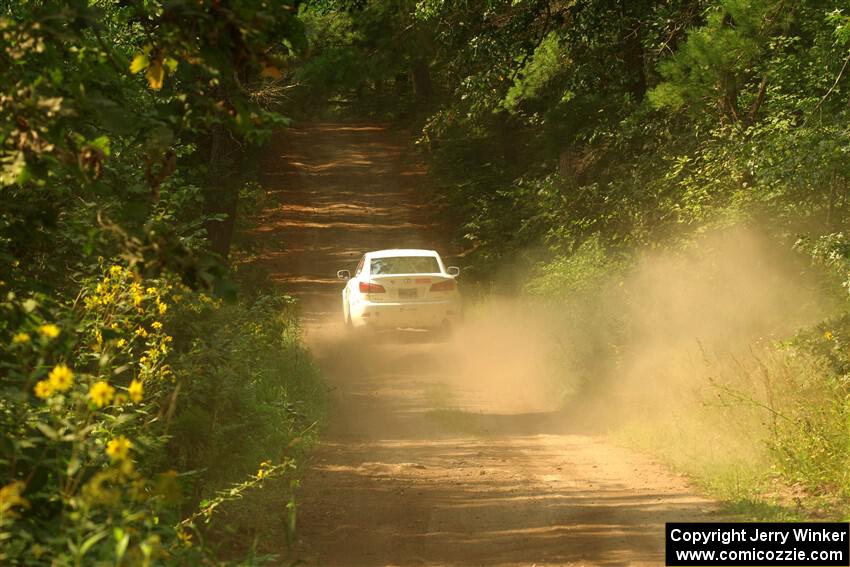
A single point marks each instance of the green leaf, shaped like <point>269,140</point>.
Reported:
<point>90,542</point>
<point>73,466</point>
<point>140,62</point>
<point>101,143</point>
<point>48,431</point>
<point>122,540</point>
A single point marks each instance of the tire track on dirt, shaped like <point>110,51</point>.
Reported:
<point>400,479</point>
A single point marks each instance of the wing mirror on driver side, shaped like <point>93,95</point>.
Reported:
<point>453,271</point>
<point>343,275</point>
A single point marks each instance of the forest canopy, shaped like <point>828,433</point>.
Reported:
<point>636,122</point>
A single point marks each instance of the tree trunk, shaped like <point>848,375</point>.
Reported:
<point>634,58</point>
<point>422,86</point>
<point>222,192</point>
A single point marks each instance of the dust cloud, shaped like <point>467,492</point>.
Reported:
<point>728,297</point>
<point>641,342</point>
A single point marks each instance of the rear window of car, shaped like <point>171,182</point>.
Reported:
<point>405,265</point>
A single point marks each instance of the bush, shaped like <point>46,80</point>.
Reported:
<point>125,409</point>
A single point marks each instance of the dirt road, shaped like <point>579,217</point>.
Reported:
<point>419,466</point>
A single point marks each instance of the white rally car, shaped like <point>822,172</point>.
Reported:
<point>394,289</point>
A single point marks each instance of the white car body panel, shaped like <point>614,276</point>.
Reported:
<point>409,299</point>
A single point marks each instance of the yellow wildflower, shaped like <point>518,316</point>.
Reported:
<point>150,291</point>
<point>121,343</point>
<point>101,393</point>
<point>49,330</point>
<point>184,537</point>
<point>828,335</point>
<point>43,389</point>
<point>136,292</point>
<point>136,391</point>
<point>263,471</point>
<point>20,338</point>
<point>116,270</point>
<point>142,332</point>
<point>61,378</point>
<point>10,497</point>
<point>161,307</point>
<point>156,325</point>
<point>118,448</point>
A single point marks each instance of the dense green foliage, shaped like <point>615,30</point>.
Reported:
<point>552,122</point>
<point>127,409</point>
<point>134,403</point>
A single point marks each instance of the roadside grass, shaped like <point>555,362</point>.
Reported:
<point>727,462</point>
<point>718,361</point>
<point>265,407</point>
<point>260,407</point>
<point>765,433</point>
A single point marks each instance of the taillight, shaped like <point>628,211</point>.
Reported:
<point>446,285</point>
<point>371,288</point>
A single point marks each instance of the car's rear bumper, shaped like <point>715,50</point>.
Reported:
<point>410,314</point>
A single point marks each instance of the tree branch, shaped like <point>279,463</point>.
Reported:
<point>834,84</point>
<point>754,109</point>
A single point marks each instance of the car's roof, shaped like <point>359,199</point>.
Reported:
<point>401,252</point>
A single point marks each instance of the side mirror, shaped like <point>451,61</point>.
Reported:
<point>453,271</point>
<point>343,275</point>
